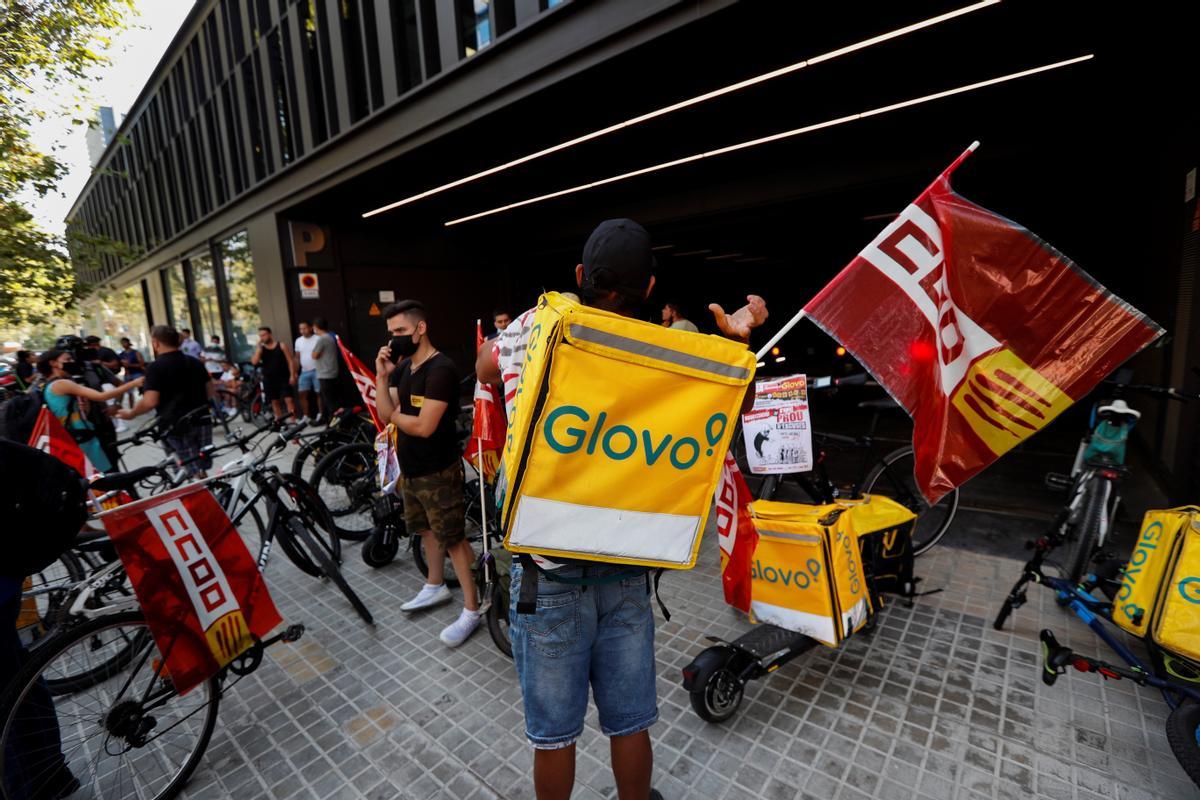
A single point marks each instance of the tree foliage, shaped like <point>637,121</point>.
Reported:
<point>47,48</point>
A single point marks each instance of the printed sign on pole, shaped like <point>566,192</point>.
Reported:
<point>777,430</point>
<point>310,288</point>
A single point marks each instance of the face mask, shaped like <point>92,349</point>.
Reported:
<point>402,347</point>
<point>73,368</point>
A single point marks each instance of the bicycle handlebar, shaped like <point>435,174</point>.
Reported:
<point>1169,392</point>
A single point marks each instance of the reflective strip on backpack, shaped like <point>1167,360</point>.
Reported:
<point>636,347</point>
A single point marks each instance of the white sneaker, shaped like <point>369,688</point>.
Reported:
<point>461,629</point>
<point>302,421</point>
<point>428,597</point>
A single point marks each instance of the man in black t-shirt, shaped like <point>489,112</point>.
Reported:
<point>176,385</point>
<point>419,395</point>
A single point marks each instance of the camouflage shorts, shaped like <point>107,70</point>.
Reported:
<point>435,502</point>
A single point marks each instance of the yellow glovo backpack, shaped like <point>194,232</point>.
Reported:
<point>1159,597</point>
<point>821,570</point>
<point>618,438</point>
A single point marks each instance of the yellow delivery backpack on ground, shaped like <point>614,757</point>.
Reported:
<point>820,569</point>
<point>619,436</point>
<point>1160,588</point>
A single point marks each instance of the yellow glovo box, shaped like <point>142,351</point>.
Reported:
<point>808,574</point>
<point>619,436</point>
<point>1160,587</point>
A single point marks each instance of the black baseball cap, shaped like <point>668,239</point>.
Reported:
<point>617,258</point>
<point>92,340</point>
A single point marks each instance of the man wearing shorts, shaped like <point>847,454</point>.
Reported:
<point>306,381</point>
<point>416,389</point>
<point>274,359</point>
<point>595,629</point>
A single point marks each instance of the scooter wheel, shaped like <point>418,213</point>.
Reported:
<point>377,552</point>
<point>718,693</point>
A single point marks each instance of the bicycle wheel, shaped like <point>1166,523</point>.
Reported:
<point>304,539</point>
<point>127,736</point>
<point>346,482</point>
<point>1183,734</point>
<point>46,593</point>
<point>305,508</point>
<point>894,477</point>
<point>1086,530</point>
<point>497,616</point>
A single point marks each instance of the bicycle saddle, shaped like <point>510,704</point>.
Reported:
<point>1120,409</point>
<point>123,480</point>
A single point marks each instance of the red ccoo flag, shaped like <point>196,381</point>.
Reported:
<point>202,594</point>
<point>364,379</point>
<point>982,331</point>
<point>489,429</point>
<point>50,436</point>
<point>736,534</point>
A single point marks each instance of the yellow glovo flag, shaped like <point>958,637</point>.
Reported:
<point>618,438</point>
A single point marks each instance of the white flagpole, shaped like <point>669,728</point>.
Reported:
<point>766,348</point>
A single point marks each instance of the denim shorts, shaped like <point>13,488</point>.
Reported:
<point>308,381</point>
<point>600,636</point>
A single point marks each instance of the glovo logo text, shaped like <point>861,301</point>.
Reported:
<point>852,563</point>
<point>1147,543</point>
<point>1189,589</point>
<point>572,429</point>
<point>799,579</point>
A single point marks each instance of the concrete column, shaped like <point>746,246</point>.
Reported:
<point>158,301</point>
<point>267,251</point>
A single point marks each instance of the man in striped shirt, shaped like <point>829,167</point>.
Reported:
<point>595,629</point>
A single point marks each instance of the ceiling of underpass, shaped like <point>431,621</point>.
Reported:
<point>1062,152</point>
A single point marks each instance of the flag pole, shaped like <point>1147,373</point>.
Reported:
<point>801,314</point>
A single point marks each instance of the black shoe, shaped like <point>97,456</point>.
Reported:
<point>655,794</point>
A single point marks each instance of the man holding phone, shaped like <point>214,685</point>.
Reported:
<point>416,389</point>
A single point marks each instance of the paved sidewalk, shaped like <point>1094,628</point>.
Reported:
<point>934,704</point>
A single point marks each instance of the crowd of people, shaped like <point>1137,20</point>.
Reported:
<point>92,389</point>
<point>607,648</point>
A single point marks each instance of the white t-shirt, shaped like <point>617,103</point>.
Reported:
<point>304,348</point>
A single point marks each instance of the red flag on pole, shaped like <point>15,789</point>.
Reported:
<point>51,437</point>
<point>198,586</point>
<point>364,379</point>
<point>736,534</point>
<point>489,428</point>
<point>982,331</point>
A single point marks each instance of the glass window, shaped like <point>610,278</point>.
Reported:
<point>205,284</point>
<point>243,296</point>
<point>475,25</point>
<point>125,312</point>
<point>176,290</point>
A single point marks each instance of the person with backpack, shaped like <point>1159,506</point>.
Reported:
<point>95,376</point>
<point>68,401</point>
<point>594,626</point>
<point>37,493</point>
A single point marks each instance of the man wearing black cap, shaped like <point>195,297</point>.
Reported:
<point>605,641</point>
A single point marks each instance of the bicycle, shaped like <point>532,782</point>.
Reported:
<point>1177,678</point>
<point>124,733</point>
<point>348,485</point>
<point>1085,521</point>
<point>296,515</point>
<point>890,475</point>
<point>346,426</point>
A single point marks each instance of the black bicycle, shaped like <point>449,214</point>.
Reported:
<point>891,475</point>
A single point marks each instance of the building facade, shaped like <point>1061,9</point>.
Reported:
<point>291,158</point>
